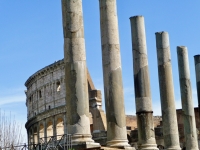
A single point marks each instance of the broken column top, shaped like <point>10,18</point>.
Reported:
<point>197,59</point>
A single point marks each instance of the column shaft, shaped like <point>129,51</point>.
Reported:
<point>170,128</point>
<point>112,73</point>
<point>143,100</point>
<point>197,70</point>
<point>186,98</point>
<point>78,122</point>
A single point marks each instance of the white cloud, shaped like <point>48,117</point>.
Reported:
<point>12,95</point>
<point>12,99</point>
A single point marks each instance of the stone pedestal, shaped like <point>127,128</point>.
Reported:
<point>143,101</point>
<point>78,122</point>
<point>112,72</point>
<point>186,98</point>
<point>170,128</point>
<point>197,70</point>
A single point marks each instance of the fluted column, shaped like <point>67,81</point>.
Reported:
<point>170,128</point>
<point>186,98</point>
<point>78,122</point>
<point>197,70</point>
<point>112,73</point>
<point>143,100</point>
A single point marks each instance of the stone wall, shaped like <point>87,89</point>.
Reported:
<point>46,104</point>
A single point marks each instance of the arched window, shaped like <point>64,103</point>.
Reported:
<point>49,130</point>
<point>41,131</point>
<point>40,94</point>
<point>59,128</point>
<point>35,135</point>
<point>58,86</point>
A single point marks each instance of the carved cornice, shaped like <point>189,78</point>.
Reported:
<point>44,71</point>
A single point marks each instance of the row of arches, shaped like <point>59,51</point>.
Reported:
<point>44,130</point>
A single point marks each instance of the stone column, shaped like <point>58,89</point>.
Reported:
<point>143,100</point>
<point>170,128</point>
<point>186,98</point>
<point>112,73</point>
<point>197,70</point>
<point>78,122</point>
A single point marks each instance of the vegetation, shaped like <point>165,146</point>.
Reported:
<point>10,131</point>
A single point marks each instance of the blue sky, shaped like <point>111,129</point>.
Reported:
<point>31,37</point>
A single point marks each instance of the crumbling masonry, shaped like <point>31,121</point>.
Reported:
<point>58,95</point>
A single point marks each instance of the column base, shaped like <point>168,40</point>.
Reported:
<point>172,149</point>
<point>80,142</point>
<point>85,145</point>
<point>123,144</point>
<point>79,138</point>
<point>148,147</point>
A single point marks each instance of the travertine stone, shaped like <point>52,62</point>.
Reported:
<point>197,70</point>
<point>186,98</point>
<point>78,122</point>
<point>170,128</point>
<point>143,101</point>
<point>113,87</point>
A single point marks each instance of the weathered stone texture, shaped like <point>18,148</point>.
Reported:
<point>78,122</point>
<point>170,128</point>
<point>186,98</point>
<point>113,88</point>
<point>142,85</point>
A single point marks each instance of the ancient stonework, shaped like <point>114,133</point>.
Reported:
<point>112,73</point>
<point>46,104</point>
<point>186,98</point>
<point>170,128</point>
<point>78,119</point>
<point>144,111</point>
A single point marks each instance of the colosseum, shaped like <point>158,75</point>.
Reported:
<point>46,105</point>
<point>46,110</point>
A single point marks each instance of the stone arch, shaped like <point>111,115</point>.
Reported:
<point>41,130</point>
<point>59,128</point>
<point>35,135</point>
<point>49,129</point>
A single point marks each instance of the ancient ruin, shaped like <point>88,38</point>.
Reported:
<point>62,99</point>
<point>186,97</point>
<point>143,101</point>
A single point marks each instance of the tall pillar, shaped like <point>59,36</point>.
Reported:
<point>143,100</point>
<point>170,128</point>
<point>197,70</point>
<point>78,122</point>
<point>112,73</point>
<point>186,98</point>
